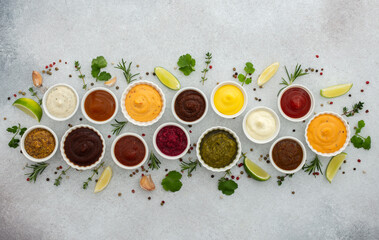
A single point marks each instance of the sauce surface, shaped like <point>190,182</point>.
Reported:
<point>61,101</point>
<point>295,102</point>
<point>171,140</point>
<point>287,154</point>
<point>229,100</point>
<point>100,105</point>
<point>143,103</point>
<point>190,105</point>
<point>39,143</point>
<point>130,151</point>
<point>261,124</point>
<point>83,146</point>
<point>326,133</point>
<point>218,148</point>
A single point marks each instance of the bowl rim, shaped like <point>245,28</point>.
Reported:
<point>302,161</point>
<point>85,97</point>
<point>44,99</point>
<point>66,158</point>
<point>276,119</point>
<point>159,151</point>
<point>311,109</point>
<point>123,108</point>
<point>233,163</point>
<point>25,153</point>
<point>174,100</point>
<point>244,96</point>
<point>347,134</point>
<point>114,145</point>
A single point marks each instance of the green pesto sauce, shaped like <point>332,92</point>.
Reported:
<point>218,149</point>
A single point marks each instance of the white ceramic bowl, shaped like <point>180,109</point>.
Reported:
<point>123,108</point>
<point>85,97</point>
<point>302,161</point>
<point>311,110</point>
<point>120,164</point>
<point>244,96</point>
<point>226,167</point>
<point>173,105</point>
<point>347,135</point>
<point>277,120</point>
<point>45,97</point>
<point>159,151</point>
<point>66,158</point>
<point>22,145</point>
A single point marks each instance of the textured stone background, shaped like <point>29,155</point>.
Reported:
<point>151,33</point>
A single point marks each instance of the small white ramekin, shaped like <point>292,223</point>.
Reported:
<point>244,96</point>
<point>84,100</point>
<point>66,158</point>
<point>277,120</point>
<point>311,109</point>
<point>123,108</point>
<point>45,97</point>
<point>22,145</point>
<point>120,164</point>
<point>347,134</point>
<point>239,150</point>
<point>302,161</point>
<point>173,105</point>
<point>159,151</point>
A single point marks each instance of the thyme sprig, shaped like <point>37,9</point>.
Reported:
<point>117,127</point>
<point>208,58</point>
<point>189,166</point>
<point>82,76</point>
<point>291,78</point>
<point>314,167</point>
<point>281,178</point>
<point>38,169</point>
<point>153,162</point>
<point>129,77</point>
<point>94,171</point>
<point>356,107</point>
<point>34,94</point>
<point>57,181</point>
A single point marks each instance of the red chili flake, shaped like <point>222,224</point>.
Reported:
<point>359,160</point>
<point>367,82</point>
<point>133,191</point>
<point>210,67</point>
<point>14,95</point>
<point>362,90</point>
<point>190,131</point>
<point>320,73</point>
<point>27,179</point>
<point>53,63</point>
<point>109,136</point>
<point>47,67</point>
<point>237,178</point>
<point>232,177</point>
<point>367,111</point>
<point>143,134</point>
<point>317,56</point>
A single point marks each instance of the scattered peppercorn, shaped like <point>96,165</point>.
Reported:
<point>212,176</point>
<point>234,69</point>
<point>65,62</point>
<point>70,75</point>
<point>143,134</point>
<point>133,191</point>
<point>354,169</point>
<point>70,125</point>
<point>293,130</point>
<point>56,68</point>
<point>362,90</point>
<point>367,111</point>
<point>293,192</point>
<point>312,69</point>
<point>92,84</point>
<point>119,194</point>
<point>147,73</point>
<point>210,67</point>
<point>9,98</point>
<point>316,70</point>
<point>306,70</point>
<point>359,160</point>
<point>80,119</point>
<point>367,82</point>
<point>137,65</point>
<point>343,172</point>
<point>320,73</point>
<point>149,198</point>
<point>47,179</point>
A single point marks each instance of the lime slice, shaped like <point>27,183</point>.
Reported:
<point>255,171</point>
<point>268,73</point>
<point>30,107</point>
<point>333,166</point>
<point>336,91</point>
<point>104,179</point>
<point>167,78</point>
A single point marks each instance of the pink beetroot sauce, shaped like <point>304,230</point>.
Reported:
<point>171,140</point>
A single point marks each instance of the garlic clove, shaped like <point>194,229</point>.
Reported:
<point>111,83</point>
<point>37,79</point>
<point>147,183</point>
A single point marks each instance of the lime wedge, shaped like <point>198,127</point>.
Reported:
<point>333,166</point>
<point>167,78</point>
<point>336,91</point>
<point>30,107</point>
<point>255,171</point>
<point>104,179</point>
<point>268,73</point>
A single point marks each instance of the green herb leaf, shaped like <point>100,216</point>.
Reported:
<point>38,169</point>
<point>291,78</point>
<point>358,141</point>
<point>12,129</point>
<point>227,187</point>
<point>189,166</point>
<point>249,68</point>
<point>186,64</point>
<point>172,181</point>
<point>367,143</point>
<point>241,77</point>
<point>95,72</point>
<point>97,64</point>
<point>356,108</point>
<point>104,76</point>
<point>313,167</point>
<point>14,142</point>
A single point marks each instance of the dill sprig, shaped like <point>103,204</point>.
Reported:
<point>34,94</point>
<point>314,167</point>
<point>38,169</point>
<point>154,162</point>
<point>57,181</point>
<point>291,78</point>
<point>82,76</point>
<point>356,107</point>
<point>189,166</point>
<point>129,77</point>
<point>95,171</point>
<point>117,127</point>
<point>208,58</point>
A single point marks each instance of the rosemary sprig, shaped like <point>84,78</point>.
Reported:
<point>291,78</point>
<point>82,76</point>
<point>129,77</point>
<point>189,166</point>
<point>117,127</point>
<point>95,171</point>
<point>38,169</point>
<point>314,167</point>
<point>34,94</point>
<point>154,162</point>
<point>57,181</point>
<point>356,107</point>
<point>208,58</point>
<point>281,178</point>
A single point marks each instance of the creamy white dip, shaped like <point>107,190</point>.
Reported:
<point>61,101</point>
<point>261,124</point>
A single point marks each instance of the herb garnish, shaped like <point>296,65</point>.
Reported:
<point>314,167</point>
<point>298,73</point>
<point>249,69</point>
<point>172,181</point>
<point>129,77</point>
<point>38,169</point>
<point>17,130</point>
<point>117,127</point>
<point>97,64</point>
<point>356,107</point>
<point>57,181</point>
<point>189,166</point>
<point>34,94</point>
<point>358,141</point>
<point>208,57</point>
<point>186,64</point>
<point>281,178</point>
<point>227,187</point>
<point>82,76</point>
<point>95,171</point>
<point>153,162</point>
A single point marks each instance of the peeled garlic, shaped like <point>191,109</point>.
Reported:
<point>111,82</point>
<point>147,183</point>
<point>37,79</point>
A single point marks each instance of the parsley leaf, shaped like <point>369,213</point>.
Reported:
<point>357,140</point>
<point>17,130</point>
<point>172,181</point>
<point>186,64</point>
<point>12,129</point>
<point>227,187</point>
<point>14,142</point>
<point>96,66</point>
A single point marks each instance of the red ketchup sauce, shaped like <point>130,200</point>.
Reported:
<point>295,102</point>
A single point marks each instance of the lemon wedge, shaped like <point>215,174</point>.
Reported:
<point>336,91</point>
<point>268,73</point>
<point>104,179</point>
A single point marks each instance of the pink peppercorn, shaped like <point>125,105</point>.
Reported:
<point>210,67</point>
<point>51,65</point>
<point>28,179</point>
<point>359,160</point>
<point>367,82</point>
<point>317,56</point>
<point>143,134</point>
<point>232,177</point>
<point>109,136</point>
<point>238,178</point>
<point>320,73</point>
<point>47,67</point>
<point>362,90</point>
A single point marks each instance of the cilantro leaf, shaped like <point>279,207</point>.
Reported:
<point>95,72</point>
<point>361,124</point>
<point>186,64</point>
<point>14,142</point>
<point>227,187</point>
<point>12,129</point>
<point>367,143</point>
<point>356,141</point>
<point>241,77</point>
<point>248,80</point>
<point>186,70</point>
<point>104,76</point>
<point>172,181</point>
<point>249,68</point>
<point>97,64</point>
